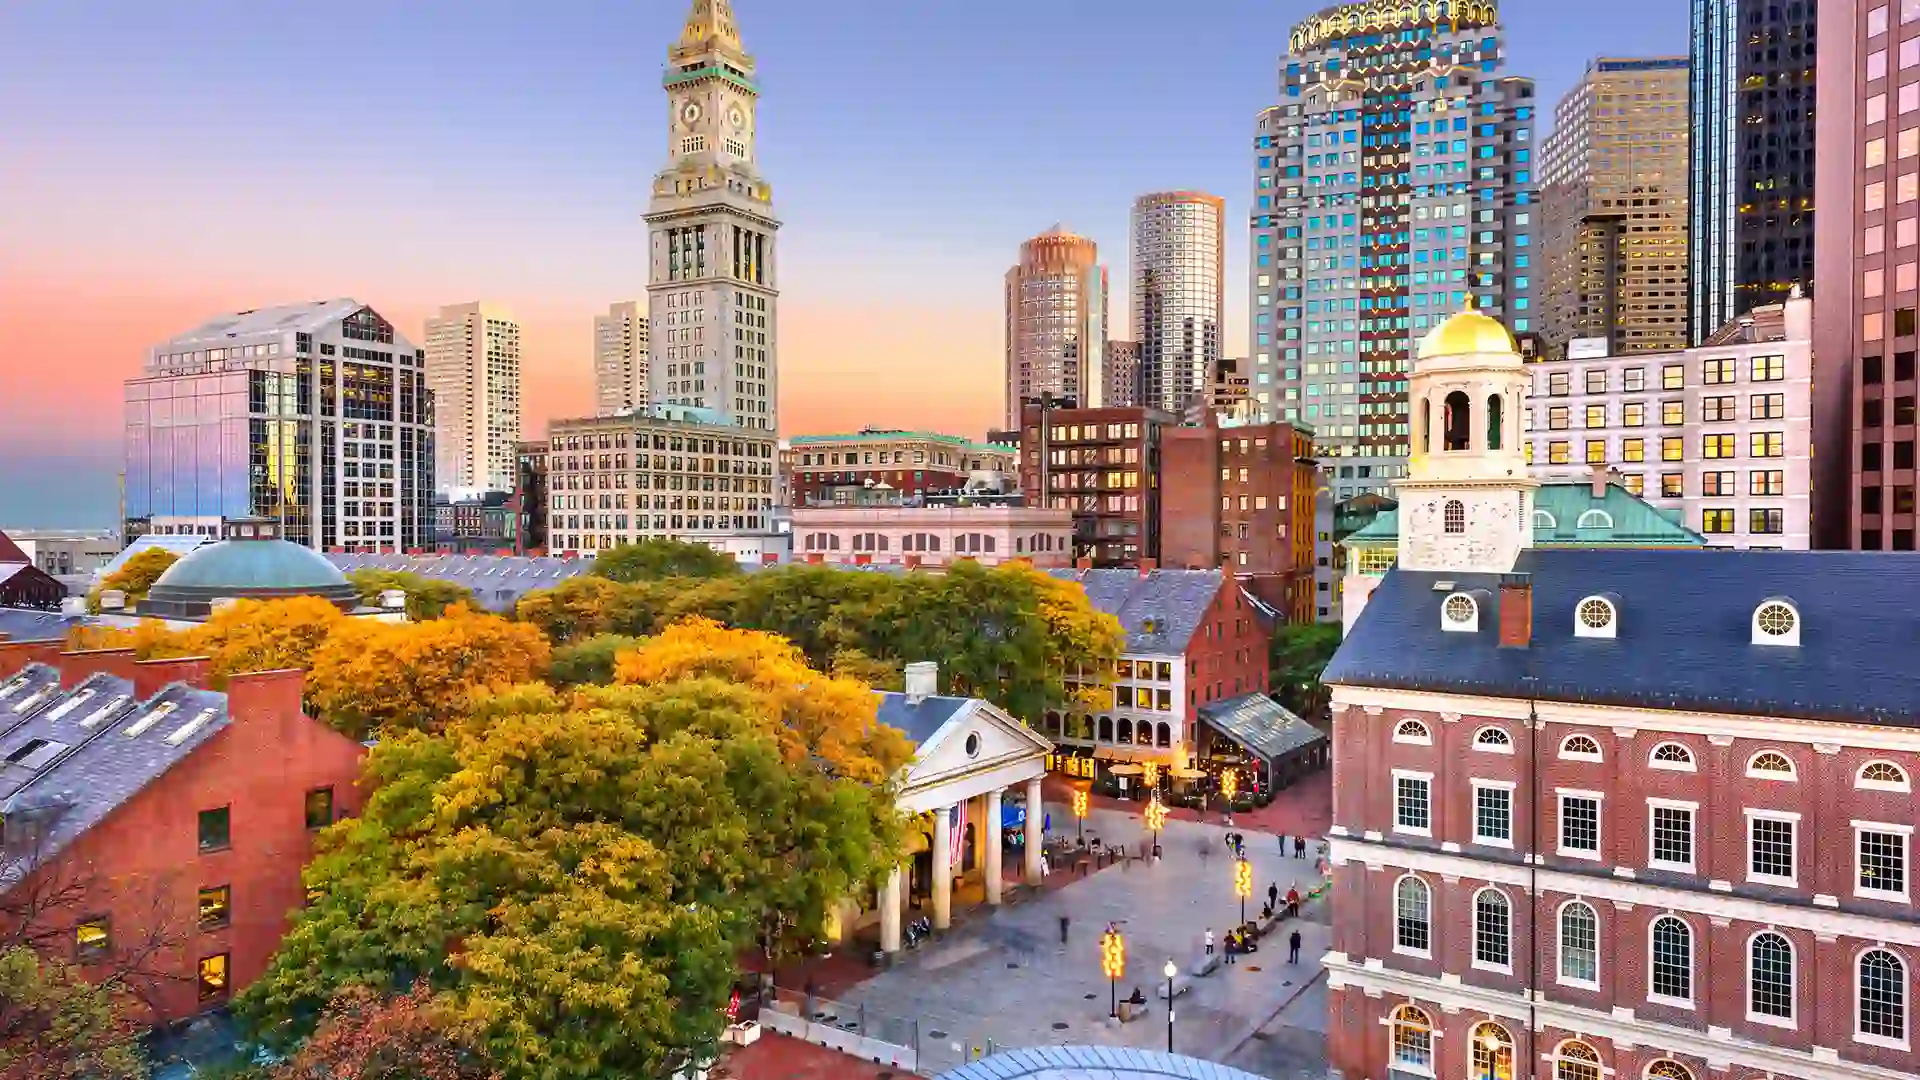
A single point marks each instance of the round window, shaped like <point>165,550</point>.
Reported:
<point>1596,613</point>
<point>1776,620</point>
<point>973,744</point>
<point>1459,608</point>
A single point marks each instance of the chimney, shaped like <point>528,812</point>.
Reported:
<point>1148,566</point>
<point>151,676</point>
<point>923,681</point>
<point>1602,476</point>
<point>1516,611</point>
<point>15,656</point>
<point>266,696</point>
<point>76,667</point>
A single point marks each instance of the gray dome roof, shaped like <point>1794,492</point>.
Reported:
<point>237,567</point>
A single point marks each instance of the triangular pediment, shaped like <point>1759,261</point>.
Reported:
<point>976,738</point>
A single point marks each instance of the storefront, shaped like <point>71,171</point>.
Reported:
<point>1262,741</point>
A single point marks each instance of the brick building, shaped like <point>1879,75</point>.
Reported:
<point>1615,813</point>
<point>530,498</point>
<point>1242,498</point>
<point>826,469</point>
<point>157,828</point>
<point>1104,465</point>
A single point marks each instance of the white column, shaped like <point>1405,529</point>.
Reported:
<point>993,847</point>
<point>1036,839</point>
<point>890,913</point>
<point>943,870</point>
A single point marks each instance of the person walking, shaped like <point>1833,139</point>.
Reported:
<point>1273,896</point>
<point>1283,843</point>
<point>1293,948</point>
<point>1209,940</point>
<point>1293,901</point>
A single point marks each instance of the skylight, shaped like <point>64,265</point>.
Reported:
<point>35,698</point>
<point>186,730</point>
<point>144,724</point>
<point>104,711</point>
<point>71,704</point>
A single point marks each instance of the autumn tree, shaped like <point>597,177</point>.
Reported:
<point>655,558</point>
<point>587,605</point>
<point>135,576</point>
<point>589,661</point>
<point>56,1025</point>
<point>578,871</point>
<point>427,598</point>
<point>265,635</point>
<point>372,675</point>
<point>363,1035</point>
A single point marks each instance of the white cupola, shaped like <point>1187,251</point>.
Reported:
<point>1467,501</point>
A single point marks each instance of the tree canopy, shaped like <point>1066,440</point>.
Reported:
<point>1298,653</point>
<point>135,576</point>
<point>590,661</point>
<point>427,598</point>
<point>577,872</point>
<point>659,557</point>
<point>55,1025</point>
<point>368,1036</point>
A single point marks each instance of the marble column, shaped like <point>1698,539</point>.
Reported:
<point>943,869</point>
<point>1036,838</point>
<point>993,847</point>
<point>890,913</point>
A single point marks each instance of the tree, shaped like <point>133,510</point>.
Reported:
<point>264,635</point>
<point>1298,653</point>
<point>658,557</point>
<point>135,576</point>
<point>590,661</point>
<point>367,1036</point>
<point>427,598</point>
<point>577,872</point>
<point>587,605</point>
<point>372,675</point>
<point>56,1025</point>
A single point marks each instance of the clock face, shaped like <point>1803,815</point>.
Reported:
<point>737,118</point>
<point>690,113</point>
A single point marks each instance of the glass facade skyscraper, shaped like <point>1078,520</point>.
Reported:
<point>1178,303</point>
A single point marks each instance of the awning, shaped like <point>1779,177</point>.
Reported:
<point>1262,725</point>
<point>1132,753</point>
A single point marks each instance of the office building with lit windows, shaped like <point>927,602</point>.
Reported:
<point>1056,335</point>
<point>473,369</point>
<point>316,415</point>
<point>1178,299</point>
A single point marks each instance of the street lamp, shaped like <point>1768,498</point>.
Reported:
<point>1170,971</point>
<point>1113,964</point>
<point>1243,885</point>
<point>1080,812</point>
<point>1229,786</point>
<point>1156,817</point>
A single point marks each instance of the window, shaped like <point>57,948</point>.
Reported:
<point>1767,482</point>
<point>1412,928</point>
<point>1769,369</point>
<point>1670,975</point>
<point>1596,416</point>
<point>1596,451</point>
<point>1762,521</point>
<point>1673,448</point>
<point>1492,930</point>
<point>1492,1050</point>
<point>213,977</point>
<point>1576,1061</point>
<point>1718,484</point>
<point>216,833</point>
<point>1412,1040</point>
<point>1716,371</point>
<point>1634,379</point>
<point>1633,449</point>
<point>1455,516</point>
<point>1769,978</point>
<point>1559,452</point>
<point>1671,756</point>
<point>1718,408</point>
<point>1776,623</point>
<point>1766,444</point>
<point>1881,776</point>
<point>1596,381</point>
<point>1557,418</point>
<point>1633,414</point>
<point>1672,485</point>
<point>1492,814</point>
<point>1770,846</point>
<point>1673,377</point>
<point>1580,748</point>
<point>1579,944</point>
<point>216,907</point>
<point>1412,731</point>
<point>1671,836</point>
<point>1673,413</point>
<point>1493,740</point>
<point>92,938</point>
<point>1668,1069</point>
<point>1411,807</point>
<point>1718,446</point>
<point>1580,824</point>
<point>1559,383</point>
<point>319,808</point>
<point>1767,406</point>
<point>1883,997</point>
<point>1770,765</point>
<point>1882,860</point>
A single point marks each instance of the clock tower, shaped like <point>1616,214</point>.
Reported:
<point>711,285</point>
<point>1467,501</point>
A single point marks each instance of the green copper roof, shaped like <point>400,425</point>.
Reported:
<point>1565,514</point>
<point>710,71</point>
<point>243,565</point>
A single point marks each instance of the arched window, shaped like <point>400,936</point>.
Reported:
<point>1454,517</point>
<point>1770,976</point>
<point>1412,1040</point>
<point>1881,776</point>
<point>1668,1069</point>
<point>1670,974</point>
<point>1594,519</point>
<point>1492,1050</point>
<point>1493,740</point>
<point>1458,433</point>
<point>1671,755</point>
<point>1595,617</point>
<point>1106,729</point>
<point>1412,731</point>
<point>1770,765</point>
<point>1493,421</point>
<point>1575,1060</point>
<point>1163,735</point>
<point>1492,929</point>
<point>1544,520</point>
<point>1580,748</point>
<point>1579,943</point>
<point>1411,915</point>
<point>1883,996</point>
<point>1426,426</point>
<point>1126,730</point>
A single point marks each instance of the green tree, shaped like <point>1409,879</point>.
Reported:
<point>55,1025</point>
<point>135,577</point>
<point>587,605</point>
<point>1297,654</point>
<point>590,661</point>
<point>427,598</point>
<point>658,557</point>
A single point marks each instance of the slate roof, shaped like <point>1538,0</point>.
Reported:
<point>1684,634</point>
<point>1558,507</point>
<point>1160,610</point>
<point>1093,1063</point>
<point>69,759</point>
<point>1262,725</point>
<point>497,581</point>
<point>27,624</point>
<point>919,721</point>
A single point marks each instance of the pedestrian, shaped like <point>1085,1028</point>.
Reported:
<point>1233,940</point>
<point>1293,948</point>
<point>1273,895</point>
<point>1293,901</point>
<point>1209,939</point>
<point>1299,847</point>
<point>1283,843</point>
<point>1063,929</point>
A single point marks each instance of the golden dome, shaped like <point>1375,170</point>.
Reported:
<point>1467,331</point>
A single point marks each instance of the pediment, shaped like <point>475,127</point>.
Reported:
<point>977,738</point>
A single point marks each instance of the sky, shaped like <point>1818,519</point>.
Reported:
<point>162,163</point>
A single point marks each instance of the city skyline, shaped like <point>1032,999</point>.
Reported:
<point>140,231</point>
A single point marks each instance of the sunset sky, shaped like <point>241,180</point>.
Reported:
<point>163,161</point>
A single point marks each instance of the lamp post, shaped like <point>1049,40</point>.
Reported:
<point>1243,885</point>
<point>1170,971</point>
<point>1113,964</point>
<point>1080,812</point>
<point>1229,787</point>
<point>1156,817</point>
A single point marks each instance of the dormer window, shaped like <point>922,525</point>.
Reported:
<point>1460,614</point>
<point>1595,617</point>
<point>1776,622</point>
<point>1544,520</point>
<point>1493,740</point>
<point>1594,519</point>
<point>1673,756</point>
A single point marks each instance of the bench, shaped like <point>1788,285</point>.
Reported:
<point>1181,984</point>
<point>1204,964</point>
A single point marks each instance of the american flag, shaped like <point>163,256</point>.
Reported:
<point>956,836</point>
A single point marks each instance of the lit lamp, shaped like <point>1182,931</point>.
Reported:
<point>1080,812</point>
<point>1170,971</point>
<point>1113,964</point>
<point>1229,787</point>
<point>1156,817</point>
<point>1150,775</point>
<point>1243,885</point>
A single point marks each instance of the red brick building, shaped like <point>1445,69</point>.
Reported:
<point>155,827</point>
<point>1241,498</point>
<point>907,462</point>
<point>1104,465</point>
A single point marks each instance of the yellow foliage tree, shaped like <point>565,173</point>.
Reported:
<point>827,719</point>
<point>150,639</point>
<point>135,576</point>
<point>419,676</point>
<point>264,635</point>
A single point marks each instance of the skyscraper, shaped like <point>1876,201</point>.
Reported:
<point>1752,157</point>
<point>473,369</point>
<point>1614,209</point>
<point>1123,373</point>
<point>1056,323</point>
<point>620,359</point>
<point>1393,180</point>
<point>1178,306</point>
<point>711,277</point>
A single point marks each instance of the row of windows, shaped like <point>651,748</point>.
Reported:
<point>1714,408</point>
<point>1714,371</point>
<point>1713,447</point>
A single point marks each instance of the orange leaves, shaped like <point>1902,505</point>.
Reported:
<point>422,675</point>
